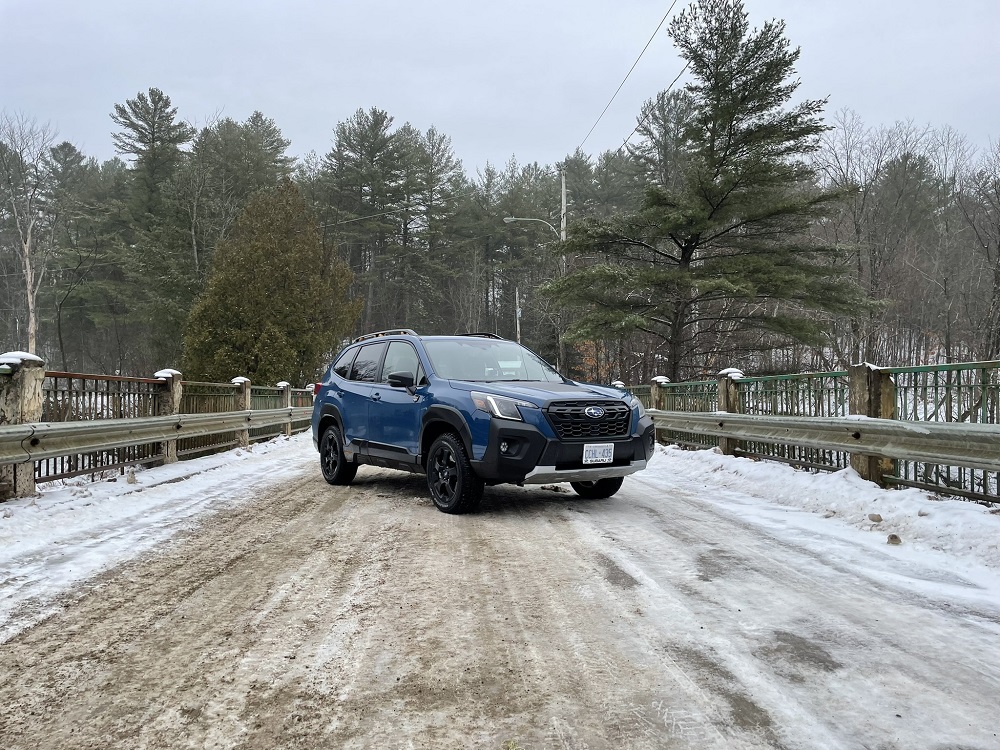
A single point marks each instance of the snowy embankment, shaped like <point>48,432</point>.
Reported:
<point>74,530</point>
<point>965,530</point>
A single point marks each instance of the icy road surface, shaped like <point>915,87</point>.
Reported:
<point>254,606</point>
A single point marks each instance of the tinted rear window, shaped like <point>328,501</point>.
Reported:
<point>366,365</point>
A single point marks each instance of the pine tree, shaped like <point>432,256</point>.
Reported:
<point>719,262</point>
<point>151,135</point>
<point>275,306</point>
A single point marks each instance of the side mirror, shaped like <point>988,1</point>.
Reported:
<point>401,380</point>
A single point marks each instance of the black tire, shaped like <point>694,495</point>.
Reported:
<point>598,490</point>
<point>453,485</point>
<point>336,468</point>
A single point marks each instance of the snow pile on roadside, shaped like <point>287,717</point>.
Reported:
<point>956,527</point>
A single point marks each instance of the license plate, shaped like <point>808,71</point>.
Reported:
<point>598,453</point>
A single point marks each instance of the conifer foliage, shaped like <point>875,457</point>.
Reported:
<point>719,260</point>
<point>275,306</point>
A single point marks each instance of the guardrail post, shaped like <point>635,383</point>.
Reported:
<point>170,405</point>
<point>20,403</point>
<point>286,403</point>
<point>729,400</point>
<point>243,403</point>
<point>872,394</point>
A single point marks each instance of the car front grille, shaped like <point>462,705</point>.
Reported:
<point>570,421</point>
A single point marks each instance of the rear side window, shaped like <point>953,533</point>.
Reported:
<point>343,364</point>
<point>366,365</point>
<point>401,357</point>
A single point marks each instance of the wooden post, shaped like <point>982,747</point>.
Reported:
<point>170,405</point>
<point>20,403</point>
<point>729,400</point>
<point>243,403</point>
<point>872,394</point>
<point>286,403</point>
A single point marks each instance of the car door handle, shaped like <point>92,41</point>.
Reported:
<point>376,396</point>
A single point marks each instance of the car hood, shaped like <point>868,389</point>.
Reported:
<point>542,393</point>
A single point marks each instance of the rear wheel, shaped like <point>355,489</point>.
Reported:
<point>336,468</point>
<point>453,485</point>
<point>599,489</point>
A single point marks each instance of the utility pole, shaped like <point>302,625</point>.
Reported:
<point>562,216</point>
<point>517,313</point>
<point>561,345</point>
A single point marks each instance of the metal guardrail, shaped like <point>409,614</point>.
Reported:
<point>956,444</point>
<point>42,440</point>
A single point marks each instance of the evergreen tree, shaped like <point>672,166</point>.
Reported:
<point>719,262</point>
<point>153,137</point>
<point>275,306</point>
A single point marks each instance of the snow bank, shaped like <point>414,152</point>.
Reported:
<point>966,530</point>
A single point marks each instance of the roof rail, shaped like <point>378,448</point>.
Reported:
<point>483,335</point>
<point>392,332</point>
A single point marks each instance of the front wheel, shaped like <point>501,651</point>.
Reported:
<point>599,489</point>
<point>336,468</point>
<point>453,485</point>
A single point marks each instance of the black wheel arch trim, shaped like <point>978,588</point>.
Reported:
<point>329,410</point>
<point>450,416</point>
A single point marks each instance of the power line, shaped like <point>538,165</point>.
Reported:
<point>662,21</point>
<point>643,120</point>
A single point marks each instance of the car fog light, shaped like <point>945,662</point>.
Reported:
<point>504,446</point>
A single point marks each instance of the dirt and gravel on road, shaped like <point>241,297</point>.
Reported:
<point>361,617</point>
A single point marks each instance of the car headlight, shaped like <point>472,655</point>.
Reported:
<point>500,406</point>
<point>638,404</point>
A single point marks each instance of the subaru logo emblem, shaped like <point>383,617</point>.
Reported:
<point>594,412</point>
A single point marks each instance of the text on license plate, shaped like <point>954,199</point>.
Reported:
<point>598,453</point>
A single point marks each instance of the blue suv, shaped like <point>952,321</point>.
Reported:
<point>469,411</point>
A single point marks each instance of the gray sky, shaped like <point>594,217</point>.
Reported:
<point>521,77</point>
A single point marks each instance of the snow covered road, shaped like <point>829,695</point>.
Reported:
<point>712,603</point>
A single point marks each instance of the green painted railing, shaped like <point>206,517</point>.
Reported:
<point>814,394</point>
<point>961,392</point>
<point>964,392</point>
<point>699,395</point>
<point>643,393</point>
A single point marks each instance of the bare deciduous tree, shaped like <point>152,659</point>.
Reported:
<point>25,181</point>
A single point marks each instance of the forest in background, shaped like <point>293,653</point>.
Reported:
<point>102,263</point>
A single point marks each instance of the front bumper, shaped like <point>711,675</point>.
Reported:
<point>532,458</point>
<point>546,474</point>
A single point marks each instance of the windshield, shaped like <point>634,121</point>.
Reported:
<point>487,360</point>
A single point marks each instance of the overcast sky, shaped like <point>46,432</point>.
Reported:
<point>526,78</point>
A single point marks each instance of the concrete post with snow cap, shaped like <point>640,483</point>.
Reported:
<point>657,394</point>
<point>243,403</point>
<point>729,400</point>
<point>872,394</point>
<point>286,403</point>
<point>21,376</point>
<point>170,405</point>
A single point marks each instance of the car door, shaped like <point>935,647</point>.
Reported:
<point>394,414</point>
<point>357,395</point>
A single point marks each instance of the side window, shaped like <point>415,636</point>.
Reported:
<point>343,365</point>
<point>401,357</point>
<point>366,365</point>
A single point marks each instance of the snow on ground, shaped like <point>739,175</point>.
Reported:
<point>76,529</point>
<point>966,530</point>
